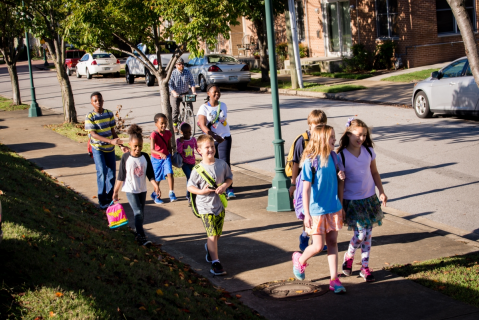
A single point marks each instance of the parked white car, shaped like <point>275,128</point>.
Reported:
<point>135,68</point>
<point>98,63</point>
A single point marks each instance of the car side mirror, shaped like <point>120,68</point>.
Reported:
<point>435,74</point>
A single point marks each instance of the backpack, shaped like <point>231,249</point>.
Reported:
<point>211,183</point>
<point>116,215</point>
<point>289,160</point>
<point>344,160</point>
<point>298,193</point>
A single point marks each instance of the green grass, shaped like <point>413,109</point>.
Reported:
<point>7,105</point>
<point>255,70</point>
<point>122,72</point>
<point>77,133</point>
<point>309,86</point>
<point>342,75</point>
<point>411,77</point>
<point>457,277</point>
<point>59,260</point>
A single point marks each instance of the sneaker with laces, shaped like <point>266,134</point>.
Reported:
<point>366,274</point>
<point>336,286</point>
<point>172,196</point>
<point>142,241</point>
<point>230,194</point>
<point>298,268</point>
<point>155,199</point>
<point>217,269</point>
<point>303,242</point>
<point>347,265</point>
<point>208,257</point>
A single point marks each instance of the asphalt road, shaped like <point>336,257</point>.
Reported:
<point>428,166</point>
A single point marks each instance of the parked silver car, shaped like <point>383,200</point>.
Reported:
<point>221,69</point>
<point>450,90</point>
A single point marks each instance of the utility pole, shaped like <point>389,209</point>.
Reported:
<point>292,63</point>
<point>278,195</point>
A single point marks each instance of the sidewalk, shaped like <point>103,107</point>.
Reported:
<point>256,246</point>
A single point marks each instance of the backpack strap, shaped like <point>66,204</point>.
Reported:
<point>305,139</point>
<point>334,156</point>
<point>343,158</point>
<point>205,175</point>
<point>369,151</point>
<point>159,135</point>
<point>217,112</point>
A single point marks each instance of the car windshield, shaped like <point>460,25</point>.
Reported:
<point>101,56</point>
<point>75,54</point>
<point>218,58</point>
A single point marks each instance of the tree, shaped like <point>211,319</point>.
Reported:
<point>254,10</point>
<point>467,33</point>
<point>11,29</point>
<point>45,19</point>
<point>98,23</point>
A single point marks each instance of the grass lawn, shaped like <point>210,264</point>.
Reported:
<point>309,86</point>
<point>457,277</point>
<point>60,260</point>
<point>77,133</point>
<point>342,75</point>
<point>7,105</point>
<point>411,77</point>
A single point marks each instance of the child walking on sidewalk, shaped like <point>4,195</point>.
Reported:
<point>186,146</point>
<point>361,204</point>
<point>323,217</point>
<point>161,157</point>
<point>208,202</point>
<point>135,168</point>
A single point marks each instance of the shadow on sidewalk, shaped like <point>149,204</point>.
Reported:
<point>24,147</point>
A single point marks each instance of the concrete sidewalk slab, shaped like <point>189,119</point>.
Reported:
<point>256,246</point>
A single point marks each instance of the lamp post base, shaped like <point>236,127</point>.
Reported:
<point>278,194</point>
<point>34,110</point>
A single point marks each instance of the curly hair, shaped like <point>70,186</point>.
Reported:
<point>135,132</point>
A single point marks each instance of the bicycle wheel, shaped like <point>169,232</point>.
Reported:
<point>181,113</point>
<point>190,119</point>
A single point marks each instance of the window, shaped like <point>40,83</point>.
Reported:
<point>299,10</point>
<point>454,69</point>
<point>215,58</point>
<point>387,18</point>
<point>101,56</point>
<point>446,23</point>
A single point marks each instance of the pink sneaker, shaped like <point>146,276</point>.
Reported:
<point>298,268</point>
<point>336,286</point>
<point>366,274</point>
<point>347,265</point>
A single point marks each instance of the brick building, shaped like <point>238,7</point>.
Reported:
<point>425,30</point>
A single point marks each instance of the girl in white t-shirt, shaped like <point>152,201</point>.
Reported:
<point>358,193</point>
<point>212,119</point>
<point>135,168</point>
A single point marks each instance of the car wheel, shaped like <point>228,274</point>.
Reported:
<point>203,84</point>
<point>242,86</point>
<point>129,78</point>
<point>421,106</point>
<point>69,71</point>
<point>149,79</point>
<point>88,75</point>
<point>78,73</point>
<point>117,75</point>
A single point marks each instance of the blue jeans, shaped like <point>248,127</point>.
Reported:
<point>137,204</point>
<point>105,163</point>
<point>223,151</point>
<point>187,168</point>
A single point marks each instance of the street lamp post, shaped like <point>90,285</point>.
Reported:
<point>34,110</point>
<point>278,195</point>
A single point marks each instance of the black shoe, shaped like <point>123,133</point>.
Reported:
<point>142,241</point>
<point>208,258</point>
<point>217,269</point>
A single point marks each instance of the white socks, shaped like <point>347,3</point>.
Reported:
<point>215,261</point>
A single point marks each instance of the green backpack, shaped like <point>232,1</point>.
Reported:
<point>211,183</point>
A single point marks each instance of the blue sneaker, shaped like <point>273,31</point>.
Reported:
<point>325,248</point>
<point>155,199</point>
<point>303,242</point>
<point>172,196</point>
<point>230,194</point>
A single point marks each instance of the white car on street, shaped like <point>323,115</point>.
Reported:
<point>98,63</point>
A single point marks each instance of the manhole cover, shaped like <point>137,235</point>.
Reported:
<point>289,290</point>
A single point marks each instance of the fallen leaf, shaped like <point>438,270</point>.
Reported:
<point>94,197</point>
<point>387,263</point>
<point>52,314</point>
<point>196,294</point>
<point>166,284</point>
<point>228,303</point>
<point>126,258</point>
<point>238,296</point>
<point>75,198</point>
<point>291,279</point>
<point>132,264</point>
<point>441,287</point>
<point>39,318</point>
<point>135,260</point>
<point>223,299</point>
<point>176,295</point>
<point>46,210</point>
<point>142,308</point>
<point>186,310</point>
<point>416,261</point>
<point>299,291</point>
<point>57,196</point>
<point>59,294</point>
<point>159,292</point>
<point>189,281</point>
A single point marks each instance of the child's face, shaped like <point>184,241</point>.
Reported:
<point>136,146</point>
<point>332,139</point>
<point>186,133</point>
<point>207,150</point>
<point>161,124</point>
<point>97,103</point>
<point>357,136</point>
<point>214,93</point>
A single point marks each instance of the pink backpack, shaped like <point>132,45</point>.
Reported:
<point>116,215</point>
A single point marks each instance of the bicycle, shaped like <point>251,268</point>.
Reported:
<point>186,114</point>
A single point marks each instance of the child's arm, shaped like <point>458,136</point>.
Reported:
<point>225,185</point>
<point>378,183</point>
<point>293,178</point>
<point>308,221</point>
<point>153,151</point>
<point>150,174</point>
<point>168,147</point>
<point>115,136</point>
<point>341,195</point>
<point>198,191</point>
<point>117,188</point>
<point>115,141</point>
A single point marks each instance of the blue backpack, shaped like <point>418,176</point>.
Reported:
<point>298,194</point>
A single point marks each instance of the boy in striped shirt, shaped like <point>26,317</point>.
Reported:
<point>100,125</point>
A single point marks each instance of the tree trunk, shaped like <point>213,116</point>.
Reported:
<point>263,58</point>
<point>292,64</point>
<point>12,70</point>
<point>166,107</point>
<point>467,34</point>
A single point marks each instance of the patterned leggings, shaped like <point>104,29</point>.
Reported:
<point>361,238</point>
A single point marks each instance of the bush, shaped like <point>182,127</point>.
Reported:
<point>282,50</point>
<point>303,50</point>
<point>384,53</point>
<point>361,60</point>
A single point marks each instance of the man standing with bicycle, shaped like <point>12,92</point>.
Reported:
<point>180,82</point>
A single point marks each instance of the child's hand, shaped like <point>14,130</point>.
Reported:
<point>341,175</point>
<point>206,190</point>
<point>343,214</point>
<point>162,155</point>
<point>383,198</point>
<point>157,191</point>
<point>124,149</point>
<point>115,196</point>
<point>308,221</point>
<point>116,141</point>
<point>291,191</point>
<point>221,189</point>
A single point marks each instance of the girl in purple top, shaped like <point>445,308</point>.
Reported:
<point>186,146</point>
<point>358,193</point>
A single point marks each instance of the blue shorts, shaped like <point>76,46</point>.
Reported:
<point>162,167</point>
